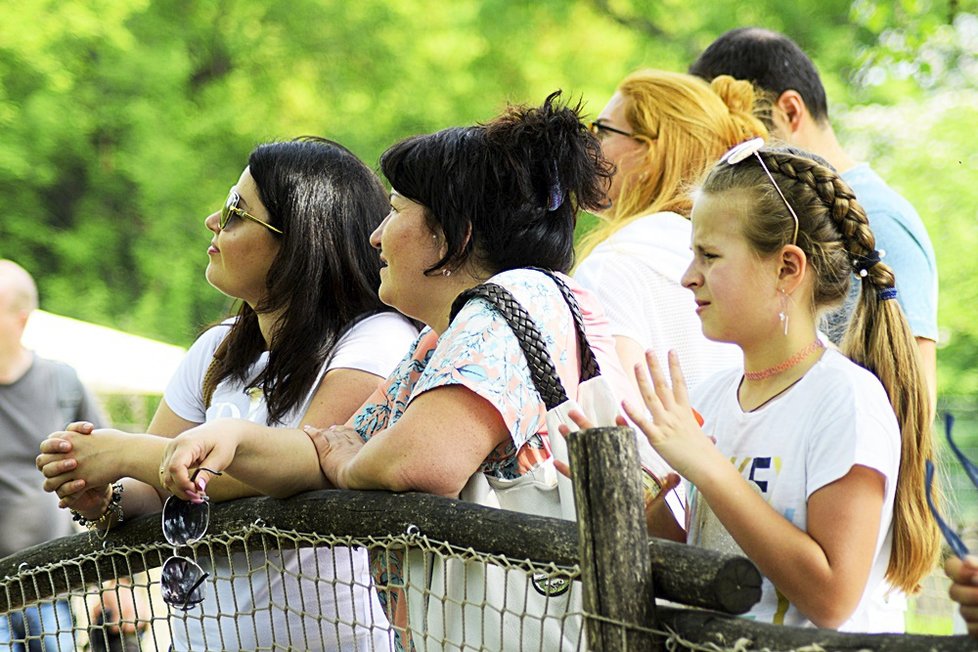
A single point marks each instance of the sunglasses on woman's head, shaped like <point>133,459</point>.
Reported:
<point>742,152</point>
<point>953,540</point>
<point>231,208</point>
<point>184,523</point>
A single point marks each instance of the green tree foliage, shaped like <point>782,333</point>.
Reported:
<point>122,124</point>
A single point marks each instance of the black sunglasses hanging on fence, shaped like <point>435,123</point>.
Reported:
<point>184,524</point>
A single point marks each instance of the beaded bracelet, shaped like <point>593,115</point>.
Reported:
<point>101,524</point>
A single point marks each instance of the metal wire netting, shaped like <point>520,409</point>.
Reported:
<point>359,571</point>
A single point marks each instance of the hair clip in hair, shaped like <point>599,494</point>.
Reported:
<point>862,264</point>
<point>887,293</point>
<point>742,151</point>
<point>556,196</point>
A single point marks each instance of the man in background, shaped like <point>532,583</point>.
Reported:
<point>799,117</point>
<point>37,397</point>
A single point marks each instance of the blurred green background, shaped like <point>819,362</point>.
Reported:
<point>122,124</point>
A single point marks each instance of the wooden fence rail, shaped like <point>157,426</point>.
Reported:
<point>621,570</point>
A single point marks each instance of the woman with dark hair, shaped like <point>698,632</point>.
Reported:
<point>468,205</point>
<point>310,342</point>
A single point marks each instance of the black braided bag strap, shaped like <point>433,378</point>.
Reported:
<point>542,368</point>
<point>589,364</point>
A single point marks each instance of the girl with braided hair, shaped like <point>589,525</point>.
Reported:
<point>817,470</point>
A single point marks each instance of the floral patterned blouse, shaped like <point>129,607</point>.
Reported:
<point>481,352</point>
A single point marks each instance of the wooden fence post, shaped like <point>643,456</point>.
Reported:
<point>616,567</point>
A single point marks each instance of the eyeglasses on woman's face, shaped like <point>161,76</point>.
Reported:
<point>231,209</point>
<point>602,130</point>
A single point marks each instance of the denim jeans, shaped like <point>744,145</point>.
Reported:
<point>48,626</point>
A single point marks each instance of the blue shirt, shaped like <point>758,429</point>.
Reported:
<point>901,234</point>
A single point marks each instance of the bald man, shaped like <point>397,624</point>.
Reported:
<point>37,397</point>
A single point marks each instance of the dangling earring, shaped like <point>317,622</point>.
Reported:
<point>783,315</point>
<point>446,272</point>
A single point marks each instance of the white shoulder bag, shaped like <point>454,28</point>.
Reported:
<point>473,605</point>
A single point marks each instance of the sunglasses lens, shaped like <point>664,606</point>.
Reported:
<point>181,583</point>
<point>229,206</point>
<point>184,522</point>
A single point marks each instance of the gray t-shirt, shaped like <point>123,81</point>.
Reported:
<point>45,399</point>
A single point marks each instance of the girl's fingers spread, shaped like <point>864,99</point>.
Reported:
<point>49,465</point>
<point>646,390</point>
<point>678,380</point>
<point>55,483</point>
<point>659,382</point>
<point>621,421</point>
<point>642,419</point>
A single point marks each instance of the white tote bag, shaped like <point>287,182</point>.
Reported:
<point>456,605</point>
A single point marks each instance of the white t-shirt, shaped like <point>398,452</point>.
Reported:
<point>257,600</point>
<point>637,276</point>
<point>836,416</point>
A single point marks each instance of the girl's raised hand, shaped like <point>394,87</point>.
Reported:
<point>668,420</point>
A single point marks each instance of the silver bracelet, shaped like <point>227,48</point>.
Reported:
<point>113,509</point>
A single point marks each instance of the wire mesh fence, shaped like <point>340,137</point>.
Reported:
<point>341,570</point>
<point>269,587</point>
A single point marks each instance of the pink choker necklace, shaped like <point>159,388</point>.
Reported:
<point>786,365</point>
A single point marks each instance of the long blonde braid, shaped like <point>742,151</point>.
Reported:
<point>878,338</point>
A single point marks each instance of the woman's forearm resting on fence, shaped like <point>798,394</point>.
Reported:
<point>440,441</point>
<point>277,462</point>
